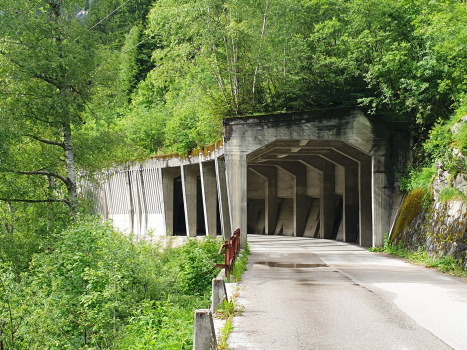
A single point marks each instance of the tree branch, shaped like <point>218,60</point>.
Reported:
<point>60,144</point>
<point>35,200</point>
<point>46,173</point>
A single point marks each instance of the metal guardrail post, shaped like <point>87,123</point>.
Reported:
<point>231,251</point>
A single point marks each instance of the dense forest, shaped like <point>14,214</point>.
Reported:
<point>87,85</point>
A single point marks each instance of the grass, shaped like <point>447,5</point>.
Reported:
<point>445,264</point>
<point>227,310</point>
<point>225,331</point>
<point>451,193</point>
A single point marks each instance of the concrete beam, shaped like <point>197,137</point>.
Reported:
<point>271,200</point>
<point>168,176</point>
<point>209,195</point>
<point>190,175</point>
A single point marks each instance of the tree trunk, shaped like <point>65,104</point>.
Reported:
<point>70,170</point>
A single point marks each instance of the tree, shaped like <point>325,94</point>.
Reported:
<point>48,61</point>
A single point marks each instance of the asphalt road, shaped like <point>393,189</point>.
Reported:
<point>304,293</point>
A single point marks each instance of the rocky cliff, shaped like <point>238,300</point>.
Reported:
<point>436,221</point>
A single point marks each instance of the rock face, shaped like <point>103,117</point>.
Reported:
<point>441,230</point>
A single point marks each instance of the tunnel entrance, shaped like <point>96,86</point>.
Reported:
<point>309,188</point>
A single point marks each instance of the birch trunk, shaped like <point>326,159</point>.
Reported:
<point>70,169</point>
<point>259,50</point>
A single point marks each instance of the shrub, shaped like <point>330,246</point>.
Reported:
<point>96,288</point>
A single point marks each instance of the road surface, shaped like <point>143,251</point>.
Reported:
<point>305,293</point>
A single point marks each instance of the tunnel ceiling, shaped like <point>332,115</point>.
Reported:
<point>336,151</point>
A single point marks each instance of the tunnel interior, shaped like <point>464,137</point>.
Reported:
<point>195,206</point>
<point>309,188</point>
<point>178,208</point>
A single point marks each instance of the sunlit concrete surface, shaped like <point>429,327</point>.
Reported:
<point>361,300</point>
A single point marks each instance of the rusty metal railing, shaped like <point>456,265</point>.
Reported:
<point>232,248</point>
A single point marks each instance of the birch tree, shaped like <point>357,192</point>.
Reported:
<point>47,63</point>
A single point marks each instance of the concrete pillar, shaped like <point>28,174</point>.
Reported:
<point>168,176</point>
<point>237,180</point>
<point>351,192</point>
<point>190,175</point>
<point>328,195</point>
<point>271,200</point>
<point>351,203</point>
<point>204,335</point>
<point>366,208</point>
<point>219,293</point>
<point>223,200</point>
<point>209,195</point>
<point>301,201</point>
<point>382,201</point>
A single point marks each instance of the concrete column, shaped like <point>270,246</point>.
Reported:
<point>366,209</point>
<point>237,180</point>
<point>168,176</point>
<point>209,195</point>
<point>271,200</point>
<point>189,185</point>
<point>224,209</point>
<point>351,203</point>
<point>351,194</point>
<point>382,201</point>
<point>328,195</point>
<point>301,201</point>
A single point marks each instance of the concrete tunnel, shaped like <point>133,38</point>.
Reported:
<point>324,174</point>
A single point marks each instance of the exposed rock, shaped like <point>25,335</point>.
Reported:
<point>460,182</point>
<point>440,182</point>
<point>456,127</point>
<point>441,230</point>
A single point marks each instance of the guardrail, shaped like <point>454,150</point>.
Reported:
<point>232,248</point>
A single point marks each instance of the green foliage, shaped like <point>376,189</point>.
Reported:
<point>448,193</point>
<point>96,288</point>
<point>240,266</point>
<point>159,325</point>
<point>447,264</point>
<point>227,310</point>
<point>417,179</point>
<point>225,331</point>
<point>197,265</point>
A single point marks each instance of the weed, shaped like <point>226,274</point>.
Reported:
<point>241,264</point>
<point>225,331</point>
<point>446,264</point>
<point>450,193</point>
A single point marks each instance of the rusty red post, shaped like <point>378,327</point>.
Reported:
<point>231,251</point>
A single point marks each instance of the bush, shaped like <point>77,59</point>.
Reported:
<point>417,178</point>
<point>98,289</point>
